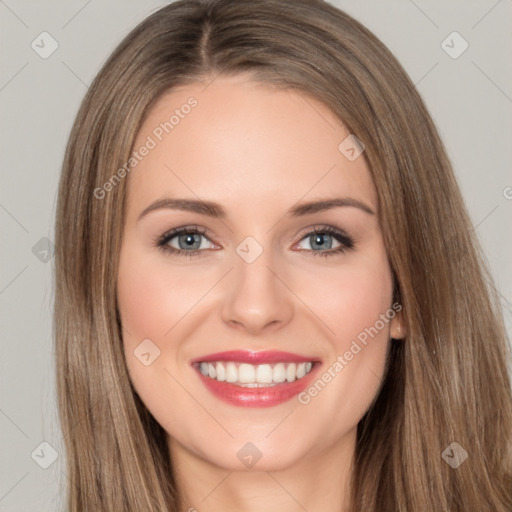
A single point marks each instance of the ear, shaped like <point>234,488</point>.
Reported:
<point>397,329</point>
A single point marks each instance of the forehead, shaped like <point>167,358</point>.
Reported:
<point>238,142</point>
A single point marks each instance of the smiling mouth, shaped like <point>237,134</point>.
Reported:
<point>247,378</point>
<point>254,376</point>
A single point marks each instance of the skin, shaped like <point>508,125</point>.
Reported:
<point>256,151</point>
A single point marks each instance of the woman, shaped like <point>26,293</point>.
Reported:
<point>249,373</point>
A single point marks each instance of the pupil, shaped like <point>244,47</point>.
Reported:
<point>320,240</point>
<point>190,240</point>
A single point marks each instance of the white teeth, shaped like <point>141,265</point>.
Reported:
<point>249,375</point>
<point>264,374</point>
<point>246,373</point>
<point>279,374</point>
<point>291,372</point>
<point>231,372</point>
<point>221,372</point>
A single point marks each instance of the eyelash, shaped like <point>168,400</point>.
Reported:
<point>347,242</point>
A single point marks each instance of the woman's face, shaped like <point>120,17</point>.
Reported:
<point>269,284</point>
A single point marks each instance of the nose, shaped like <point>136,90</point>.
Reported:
<point>257,299</point>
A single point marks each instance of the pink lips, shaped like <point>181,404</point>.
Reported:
<point>256,397</point>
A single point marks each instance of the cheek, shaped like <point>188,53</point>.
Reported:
<point>148,309</point>
<point>362,297</point>
<point>349,298</point>
<point>153,297</point>
<point>355,308</point>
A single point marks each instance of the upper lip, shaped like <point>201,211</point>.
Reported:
<point>253,357</point>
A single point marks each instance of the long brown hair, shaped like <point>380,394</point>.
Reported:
<point>447,382</point>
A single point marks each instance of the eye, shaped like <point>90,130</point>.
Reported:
<point>322,238</point>
<point>188,241</point>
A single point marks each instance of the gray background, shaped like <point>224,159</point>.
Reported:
<point>470,98</point>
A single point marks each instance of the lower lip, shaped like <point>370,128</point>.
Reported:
<point>257,397</point>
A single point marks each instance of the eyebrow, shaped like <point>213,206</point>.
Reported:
<point>215,210</point>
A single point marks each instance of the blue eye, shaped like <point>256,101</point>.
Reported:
<point>188,239</point>
<point>322,237</point>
